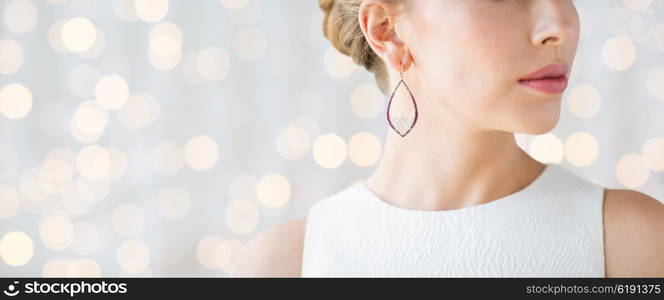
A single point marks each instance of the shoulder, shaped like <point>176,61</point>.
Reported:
<point>634,234</point>
<point>274,252</point>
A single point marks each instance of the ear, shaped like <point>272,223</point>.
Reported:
<point>377,19</point>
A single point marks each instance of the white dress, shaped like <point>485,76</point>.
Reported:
<point>551,228</point>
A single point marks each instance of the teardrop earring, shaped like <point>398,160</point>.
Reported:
<point>401,125</point>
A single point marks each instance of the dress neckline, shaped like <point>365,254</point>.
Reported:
<point>520,194</point>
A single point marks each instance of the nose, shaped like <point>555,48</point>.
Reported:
<point>553,22</point>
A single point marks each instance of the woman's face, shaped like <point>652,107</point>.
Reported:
<point>470,54</point>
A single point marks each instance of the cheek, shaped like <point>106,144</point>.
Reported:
<point>465,56</point>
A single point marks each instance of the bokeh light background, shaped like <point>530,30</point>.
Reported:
<point>156,137</point>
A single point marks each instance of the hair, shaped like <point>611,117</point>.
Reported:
<point>342,28</point>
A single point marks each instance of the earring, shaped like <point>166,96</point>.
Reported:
<point>402,125</point>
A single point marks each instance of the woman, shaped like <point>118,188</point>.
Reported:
<point>453,194</point>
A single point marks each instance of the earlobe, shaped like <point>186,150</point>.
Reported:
<point>398,56</point>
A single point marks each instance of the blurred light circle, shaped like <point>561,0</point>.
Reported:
<point>16,248</point>
<point>581,149</point>
<point>93,162</point>
<point>164,54</point>
<point>205,251</point>
<point>223,259</point>
<point>241,216</point>
<point>273,191</point>
<point>632,171</point>
<point>222,253</point>
<point>112,92</point>
<point>656,83</point>
<point>638,5</point>
<point>165,51</point>
<point>56,231</point>
<point>547,148</point>
<point>20,16</point>
<point>212,64</point>
<point>63,153</point>
<point>619,53</point>
<point>364,149</point>
<point>653,153</point>
<point>56,175</point>
<point>201,153</point>
<point>15,101</point>
<point>78,34</point>
<point>55,37</point>
<point>330,151</point>
<point>166,29</point>
<point>293,142</point>
<point>234,4</point>
<point>246,15</point>
<point>133,256</point>
<point>89,119</point>
<point>118,164</point>
<point>55,268</point>
<point>83,267</point>
<point>584,100</point>
<point>151,11</point>
<point>125,11</point>
<point>97,48</point>
<point>306,123</point>
<point>164,46</point>
<point>12,56</point>
<point>83,137</point>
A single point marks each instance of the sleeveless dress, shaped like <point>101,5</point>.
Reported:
<point>551,228</point>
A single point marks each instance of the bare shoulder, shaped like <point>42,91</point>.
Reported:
<point>274,252</point>
<point>633,234</point>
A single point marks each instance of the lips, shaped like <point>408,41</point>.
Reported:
<point>549,79</point>
<point>549,71</point>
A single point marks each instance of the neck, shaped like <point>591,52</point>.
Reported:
<point>444,163</point>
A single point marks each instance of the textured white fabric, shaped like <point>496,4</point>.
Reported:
<point>551,228</point>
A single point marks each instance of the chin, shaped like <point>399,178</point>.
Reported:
<point>539,118</point>
<point>541,125</point>
<point>541,128</point>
